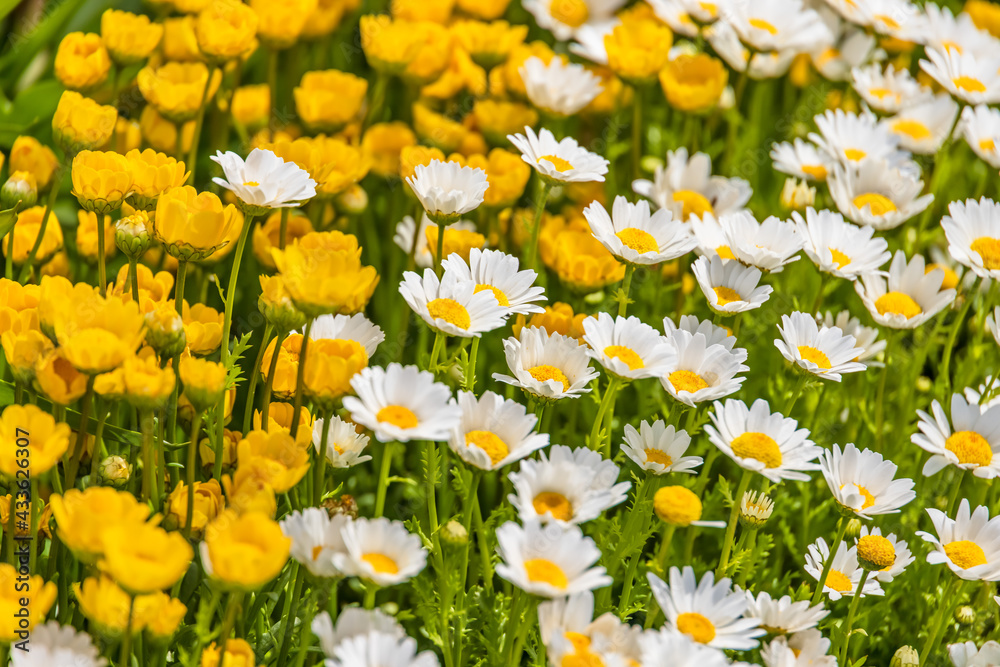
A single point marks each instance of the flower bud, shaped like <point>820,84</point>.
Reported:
<point>965,615</point>
<point>132,234</point>
<point>115,471</point>
<point>853,526</point>
<point>352,201</point>
<point>905,656</point>
<point>454,534</point>
<point>797,195</point>
<point>755,509</point>
<point>875,553</point>
<point>165,330</point>
<point>677,505</point>
<point>20,187</point>
<point>345,505</point>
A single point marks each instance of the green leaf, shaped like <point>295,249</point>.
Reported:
<point>28,41</point>
<point>31,107</point>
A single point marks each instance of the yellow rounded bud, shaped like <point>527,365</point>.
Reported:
<point>81,61</point>
<point>129,37</point>
<point>677,505</point>
<point>80,123</point>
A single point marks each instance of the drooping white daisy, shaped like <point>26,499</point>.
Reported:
<point>898,548</point>
<point>559,161</point>
<point>315,537</point>
<point>566,486</point>
<point>494,432</point>
<point>970,440</point>
<point>967,655</point>
<point>572,635</point>
<point>908,297</point>
<point>825,352</point>
<point>782,616</point>
<point>548,367</point>
<point>923,128</point>
<point>377,648</point>
<point>878,195</point>
<point>866,342</point>
<point>402,403</point>
<point>353,622</point>
<point>777,25</point>
<point>710,613</point>
<point>344,444</point>
<point>626,347</point>
<point>714,334</point>
<point>845,573</point>
<point>973,232</point>
<point>549,561</point>
<point>806,648</point>
<point>726,43</point>
<point>761,441</point>
<point>890,90</point>
<point>499,273</point>
<point>768,245</point>
<point>853,139</point>
<point>380,551</point>
<point>264,181</point>
<point>969,78</point>
<point>446,190</point>
<point>993,324</point>
<point>730,287</point>
<point>452,305</point>
<point>980,125</point>
<point>851,47</point>
<point>559,88</point>
<point>407,233</point>
<point>701,372</point>
<point>862,481</point>
<point>670,648</point>
<point>564,18</point>
<point>801,159</point>
<point>355,327</point>
<point>687,187</point>
<point>969,544</point>
<point>632,235</point>
<point>52,644</point>
<point>839,248</point>
<point>658,448</point>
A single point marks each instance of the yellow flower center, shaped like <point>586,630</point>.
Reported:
<point>948,44</point>
<point>686,381</point>
<point>869,498</point>
<point>989,250</point>
<point>879,92</point>
<point>545,571</point>
<point>251,184</point>
<point>838,581</point>
<point>624,354</point>
<point>965,554</point>
<point>876,550</point>
<point>381,563</point>
<point>558,163</point>
<point>677,505</point>
<point>987,145</point>
<point>761,24</point>
<point>553,503</point>
<point>911,128</point>
<point>897,303</point>
<point>498,293</point>
<point>758,446</point>
<point>316,551</point>
<point>950,280</point>
<point>854,154</point>
<point>970,447</point>
<point>450,311</point>
<point>880,204</point>
<point>546,372</point>
<point>839,258</point>
<point>726,295</point>
<point>694,203</point>
<point>818,357</point>
<point>397,415</point>
<point>817,171</point>
<point>696,626</point>
<point>887,21</point>
<point>581,656</point>
<point>969,84</point>
<point>709,7</point>
<point>638,240</point>
<point>725,252</point>
<point>573,13</point>
<point>658,456</point>
<point>490,443</point>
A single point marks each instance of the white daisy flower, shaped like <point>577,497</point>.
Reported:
<point>549,561</point>
<point>344,444</point>
<point>801,159</point>
<point>452,305</point>
<point>710,613</point>
<point>967,655</point>
<point>852,139</point>
<point>494,432</point>
<point>866,342</point>
<point>52,644</point>
<point>589,41</point>
<point>659,449</point>
<point>572,635</point>
<point>701,372</point>
<point>559,161</point>
<point>714,334</point>
<point>402,403</point>
<point>980,125</point>
<point>446,190</point>
<point>498,272</point>
<point>755,508</point>
<point>862,481</point>
<point>761,441</point>
<point>989,388</point>
<point>730,287</point>
<point>782,616</point>
<point>969,544</point>
<point>377,649</point>
<point>777,25</point>
<point>878,195</point>
<point>923,128</point>
<point>908,297</point>
<point>264,181</point>
<point>767,245</point>
<point>839,248</point>
<point>380,551</point>
<point>564,19</point>
<point>725,41</point>
<point>711,239</point>
<point>890,90</point>
<point>970,440</point>
<point>559,88</point>
<point>903,557</point>
<point>407,234</point>
<point>548,367</point>
<point>687,187</point>
<point>824,352</point>
<point>845,573</point>
<point>669,648</point>
<point>632,235</point>
<point>566,486</point>
<point>353,622</point>
<point>993,324</point>
<point>897,18</point>
<point>357,328</point>
<point>626,346</point>
<point>973,232</point>
<point>675,14</point>
<point>315,537</point>
<point>942,30</point>
<point>851,47</point>
<point>808,649</point>
<point>969,78</point>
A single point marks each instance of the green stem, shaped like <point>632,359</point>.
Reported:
<point>383,479</point>
<point>102,269</point>
<point>286,614</point>
<point>178,289</point>
<point>81,437</point>
<point>469,381</point>
<point>377,98</point>
<point>727,544</point>
<point>269,383</point>
<point>272,86</point>
<point>796,393</point>
<point>319,468</point>
<point>608,399</point>
<point>515,621</point>
<point>46,214</point>
<point>192,161</point>
<point>255,377</point>
<point>636,130</point>
<point>486,560</point>
<point>890,347</point>
<point>439,255</point>
<point>192,449</point>
<point>531,259</point>
<point>623,300</point>
<point>146,426</point>
<point>439,340</point>
<point>133,277</point>
<point>664,550</point>
<point>228,621</point>
<point>855,601</point>
<point>125,657</point>
<point>841,531</point>
<point>99,453</point>
<point>283,229</point>
<point>299,381</point>
<point>937,627</point>
<point>370,591</point>
<point>953,335</point>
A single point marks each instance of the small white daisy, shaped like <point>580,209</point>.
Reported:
<point>767,245</point>
<point>851,47</point>
<point>549,561</point>
<point>969,544</point>
<point>380,551</point>
<point>970,440</point>
<point>878,195</point>
<point>494,432</point>
<point>862,481</point>
<point>852,139</point>
<point>565,19</point>
<point>353,622</point>
<point>973,232</point>
<point>730,287</point>
<point>801,159</point>
<point>900,549</point>
<point>632,235</point>
<point>670,648</point>
<point>866,342</point>
<point>967,655</point>
<point>52,644</point>
<point>452,305</point>
<point>710,237</point>
<point>659,449</point>
<point>589,41</point>
<point>315,537</point>
<point>890,90</point>
<point>755,509</point>
<point>923,128</point>
<point>807,648</point>
<point>264,181</point>
<point>446,190</point>
<point>687,187</point>
<point>701,372</point>
<point>970,79</point>
<point>548,367</point>
<point>572,635</point>
<point>714,334</point>
<point>560,88</point>
<point>980,125</point>
<point>839,248</point>
<point>498,272</point>
<point>845,573</point>
<point>777,25</point>
<point>382,649</point>
<point>407,233</point>
<point>782,616</point>
<point>908,296</point>
<point>725,41</point>
<point>942,30</point>
<point>559,161</point>
<point>344,444</point>
<point>626,347</point>
<point>824,352</point>
<point>355,327</point>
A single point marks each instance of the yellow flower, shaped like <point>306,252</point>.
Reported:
<point>277,307</point>
<point>498,118</point>
<point>324,18</point>
<point>153,289</point>
<point>129,37</point>
<point>206,449</point>
<point>105,605</point>
<point>47,442</point>
<point>638,49</point>
<point>98,334</point>
<point>694,82</point>
<point>489,44</point>
<point>28,155</point>
<point>127,136</point>
<point>86,236</point>
<point>484,10</point>
<point>25,232</point>
<point>389,45</point>
<point>280,22</point>
<point>203,380</point>
<point>192,225</point>
<point>279,418</point>
<point>438,11</point>
<point>434,55</point>
<point>238,654</point>
<point>323,274</point>
<point>437,129</point>
<point>251,105</point>
<point>613,96</point>
<point>249,492</point>
<point>55,294</point>
<point>506,79</point>
<point>80,123</point>
<point>159,614</point>
<point>580,261</point>
<point>58,380</point>
<point>18,593</point>
<point>460,74</point>
<point>985,15</point>
<point>145,558</point>
<point>287,366</point>
<point>82,62</point>
<point>506,173</point>
<point>208,502</point>
<point>266,236</point>
<point>152,174</point>
<point>226,29</point>
<point>101,180</point>
<point>330,365</point>
<point>23,346</point>
<point>185,6</point>
<point>177,90</point>
<point>460,241</point>
<point>383,142</point>
<point>327,100</point>
<point>179,41</point>
<point>244,551</point>
<point>334,164</point>
<point>276,457</point>
<point>147,386</point>
<point>202,328</point>
<point>557,319</point>
<point>411,156</point>
<point>161,134</point>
